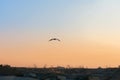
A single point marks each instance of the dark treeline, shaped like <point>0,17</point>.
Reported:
<point>20,71</point>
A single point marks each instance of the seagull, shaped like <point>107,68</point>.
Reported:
<point>54,39</point>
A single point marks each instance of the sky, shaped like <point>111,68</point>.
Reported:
<point>88,30</point>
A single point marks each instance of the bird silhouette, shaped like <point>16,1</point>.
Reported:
<point>55,39</point>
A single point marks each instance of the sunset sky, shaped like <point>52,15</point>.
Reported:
<point>89,31</point>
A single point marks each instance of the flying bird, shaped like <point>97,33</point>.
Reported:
<point>55,39</point>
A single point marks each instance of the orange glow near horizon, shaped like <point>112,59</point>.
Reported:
<point>55,53</point>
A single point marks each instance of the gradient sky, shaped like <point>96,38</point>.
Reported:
<point>89,31</point>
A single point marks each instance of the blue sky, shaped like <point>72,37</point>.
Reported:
<point>40,17</point>
<point>39,12</point>
<point>69,18</point>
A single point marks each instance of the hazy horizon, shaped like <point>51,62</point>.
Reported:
<point>88,30</point>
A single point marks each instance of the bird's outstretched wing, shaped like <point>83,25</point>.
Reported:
<point>50,39</point>
<point>58,39</point>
